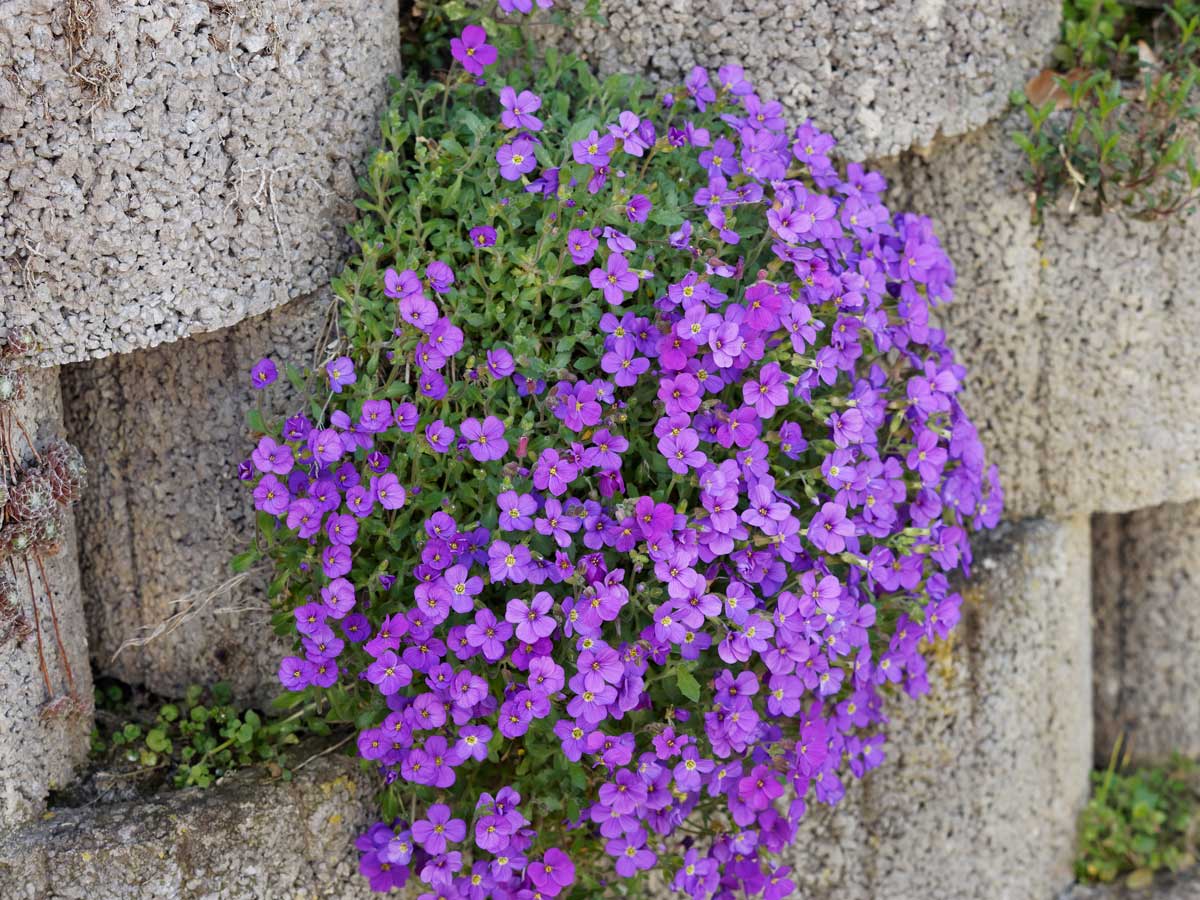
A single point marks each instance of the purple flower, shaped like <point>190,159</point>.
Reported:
<point>519,109</point>
<point>516,159</point>
<point>636,135</point>
<point>631,853</point>
<point>472,50</point>
<point>830,528</point>
<point>473,741</point>
<point>438,829</point>
<point>699,89</point>
<point>440,276</point>
<point>271,457</point>
<point>418,311</point>
<point>271,496</point>
<point>295,673</point>
<point>341,373</point>
<point>615,279</point>
<point>489,634</point>
<point>263,374</point>
<point>637,208</point>
<point>554,472</point>
<point>553,873</point>
<point>439,436</point>
<point>532,619</point>
<point>594,150</point>
<point>507,563</point>
<point>485,440</point>
<point>500,363</point>
<point>388,491</point>
<point>516,511</point>
<point>483,236</point>
<point>401,284</point>
<point>582,246</point>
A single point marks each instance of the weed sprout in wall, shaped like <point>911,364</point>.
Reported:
<point>632,485</point>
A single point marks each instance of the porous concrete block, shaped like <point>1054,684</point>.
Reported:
<point>247,838</point>
<point>1147,610</point>
<point>174,166</point>
<point>1078,333</point>
<point>164,430</point>
<point>880,77</point>
<point>43,731</point>
<point>1184,886</point>
<point>984,776</point>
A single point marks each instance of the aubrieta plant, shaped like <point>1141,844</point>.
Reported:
<point>635,480</point>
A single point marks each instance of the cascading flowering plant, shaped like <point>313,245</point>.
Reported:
<point>631,486</point>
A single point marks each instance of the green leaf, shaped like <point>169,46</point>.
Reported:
<point>243,561</point>
<point>668,218</point>
<point>254,420</point>
<point>1140,878</point>
<point>158,741</point>
<point>687,684</point>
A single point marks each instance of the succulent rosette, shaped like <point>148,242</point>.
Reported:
<point>637,478</point>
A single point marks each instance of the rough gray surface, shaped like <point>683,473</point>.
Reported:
<point>984,777</point>
<point>204,175</point>
<point>245,838</point>
<point>1147,607</point>
<point>164,430</point>
<point>1185,886</point>
<point>39,750</point>
<point>1079,335</point>
<point>880,77</point>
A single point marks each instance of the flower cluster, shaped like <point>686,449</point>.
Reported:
<point>36,489</point>
<point>637,482</point>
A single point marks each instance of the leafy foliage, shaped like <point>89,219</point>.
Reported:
<point>1114,123</point>
<point>197,739</point>
<point>1140,822</point>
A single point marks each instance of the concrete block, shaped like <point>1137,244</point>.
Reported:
<point>165,430</point>
<point>43,732</point>
<point>1184,886</point>
<point>173,166</point>
<point>1147,610</point>
<point>880,77</point>
<point>244,838</point>
<point>984,777</point>
<point>1078,333</point>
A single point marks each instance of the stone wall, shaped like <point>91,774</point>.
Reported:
<point>247,837</point>
<point>170,208</point>
<point>880,77</point>
<point>983,777</point>
<point>1078,334</point>
<point>43,729</point>
<point>165,429</point>
<point>1147,608</point>
<point>173,166</point>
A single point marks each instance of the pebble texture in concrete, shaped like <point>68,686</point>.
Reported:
<point>42,742</point>
<point>1079,334</point>
<point>1147,609</point>
<point>244,838</point>
<point>1185,886</point>
<point>881,77</point>
<point>984,776</point>
<point>164,430</point>
<point>173,166</point>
